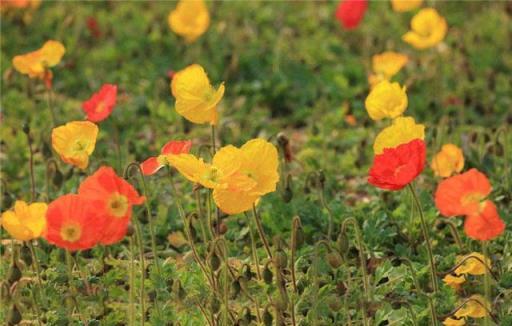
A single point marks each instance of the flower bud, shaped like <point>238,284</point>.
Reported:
<point>267,275</point>
<point>267,317</point>
<point>214,261</point>
<point>280,259</point>
<point>14,316</point>
<point>215,305</point>
<point>14,274</point>
<point>334,259</point>
<point>25,255</point>
<point>130,230</point>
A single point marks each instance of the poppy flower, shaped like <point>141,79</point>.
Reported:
<point>75,142</point>
<point>454,281</point>
<point>428,28</point>
<point>101,104</point>
<point>448,161</point>
<point>196,99</point>
<point>485,224</point>
<point>472,265</point>
<point>405,5</point>
<point>173,147</point>
<point>386,100</point>
<point>350,12</point>
<point>35,64</point>
<point>73,223</point>
<point>26,221</point>
<point>112,197</point>
<point>402,130</point>
<point>462,194</point>
<point>386,65</point>
<point>475,308</point>
<point>190,19</point>
<point>239,177</point>
<point>396,167</point>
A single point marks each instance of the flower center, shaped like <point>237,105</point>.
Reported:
<point>100,107</point>
<point>118,205</point>
<point>471,198</point>
<point>79,146</point>
<point>71,232</point>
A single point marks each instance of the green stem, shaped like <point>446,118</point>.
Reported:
<point>37,270</point>
<point>261,232</point>
<point>50,106</point>
<point>329,212</point>
<point>138,233</point>
<point>132,282</point>
<point>487,282</point>
<point>424,230</point>
<point>31,169</point>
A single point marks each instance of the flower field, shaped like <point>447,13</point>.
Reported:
<point>256,163</point>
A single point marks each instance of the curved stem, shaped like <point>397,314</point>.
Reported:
<point>487,283</point>
<point>487,267</point>
<point>50,106</point>
<point>261,232</point>
<point>295,226</point>
<point>424,229</point>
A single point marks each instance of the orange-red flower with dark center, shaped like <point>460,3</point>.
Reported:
<point>462,194</point>
<point>101,104</point>
<point>398,166</point>
<point>173,147</point>
<point>486,224</point>
<point>112,197</point>
<point>72,223</point>
<point>350,12</point>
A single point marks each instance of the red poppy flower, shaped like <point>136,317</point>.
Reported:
<point>112,197</point>
<point>398,166</point>
<point>462,194</point>
<point>93,27</point>
<point>350,12</point>
<point>72,223</point>
<point>155,163</point>
<point>101,103</point>
<point>485,225</point>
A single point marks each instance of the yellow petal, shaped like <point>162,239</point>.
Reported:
<point>37,218</point>
<point>52,52</point>
<point>75,142</point>
<point>386,100</point>
<point>388,63</point>
<point>405,5</point>
<point>473,266</point>
<point>196,170</point>
<point>196,99</point>
<point>448,161</point>
<point>428,29</point>
<point>228,159</point>
<point>234,202</point>
<point>402,131</point>
<point>454,281</point>
<point>451,321</point>
<point>25,222</point>
<point>260,162</point>
<point>190,19</point>
<point>475,308</point>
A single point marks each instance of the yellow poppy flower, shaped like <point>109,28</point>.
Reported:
<point>35,64</point>
<point>473,266</point>
<point>75,142</point>
<point>448,161</point>
<point>196,99</point>
<point>388,63</point>
<point>403,130</point>
<point>428,28</point>
<point>386,100</point>
<point>238,176</point>
<point>451,321</point>
<point>25,222</point>
<point>190,19</point>
<point>475,308</point>
<point>454,281</point>
<point>405,5</point>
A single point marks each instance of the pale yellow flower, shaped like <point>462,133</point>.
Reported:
<point>428,29</point>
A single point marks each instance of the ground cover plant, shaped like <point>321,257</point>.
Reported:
<point>256,163</point>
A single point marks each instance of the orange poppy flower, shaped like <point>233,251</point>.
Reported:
<point>462,194</point>
<point>173,147</point>
<point>485,225</point>
<point>72,223</point>
<point>398,166</point>
<point>112,198</point>
<point>101,104</point>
